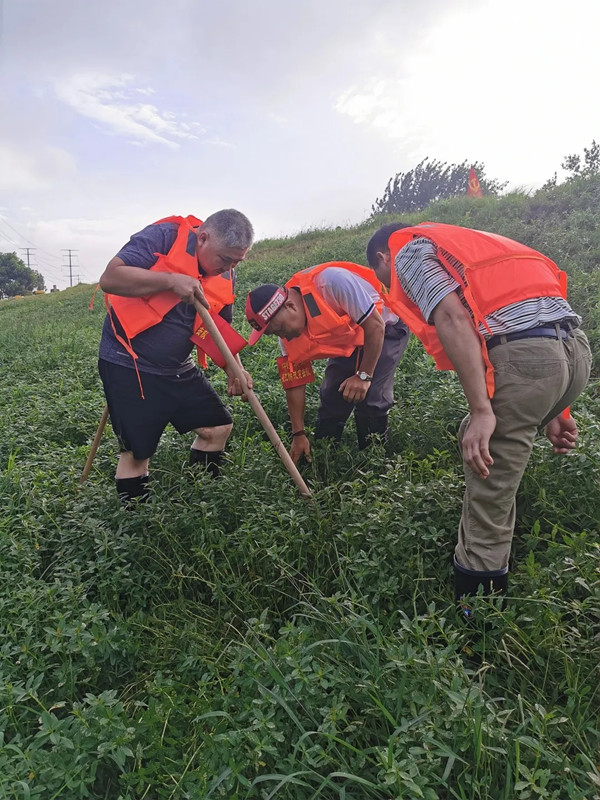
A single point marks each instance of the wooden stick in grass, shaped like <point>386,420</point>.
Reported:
<point>252,399</point>
<point>94,447</point>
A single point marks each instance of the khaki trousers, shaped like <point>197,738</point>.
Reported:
<point>535,379</point>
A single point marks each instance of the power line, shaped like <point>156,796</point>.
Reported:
<point>25,239</point>
<point>52,270</point>
<point>54,273</point>
<point>48,269</point>
<point>27,249</point>
<point>14,230</point>
<point>69,251</point>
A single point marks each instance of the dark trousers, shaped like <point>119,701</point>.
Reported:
<point>370,415</point>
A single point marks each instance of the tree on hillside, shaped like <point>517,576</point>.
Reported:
<point>588,169</point>
<point>38,281</point>
<point>590,165</point>
<point>428,181</point>
<point>16,277</point>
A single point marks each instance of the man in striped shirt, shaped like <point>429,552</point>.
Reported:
<point>541,362</point>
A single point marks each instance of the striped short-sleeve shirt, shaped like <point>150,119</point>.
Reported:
<point>426,282</point>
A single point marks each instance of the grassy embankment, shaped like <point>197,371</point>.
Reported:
<point>229,640</point>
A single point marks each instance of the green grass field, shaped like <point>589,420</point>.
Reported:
<point>229,640</point>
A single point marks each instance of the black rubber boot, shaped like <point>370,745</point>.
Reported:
<point>329,429</point>
<point>467,583</point>
<point>133,490</point>
<point>367,426</point>
<point>211,459</point>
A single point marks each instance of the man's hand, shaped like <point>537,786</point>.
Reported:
<point>187,288</point>
<point>300,447</point>
<point>354,390</point>
<point>234,388</point>
<point>562,434</point>
<point>462,345</point>
<point>476,442</point>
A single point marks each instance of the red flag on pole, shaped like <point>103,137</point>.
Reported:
<point>202,339</point>
<point>474,189</point>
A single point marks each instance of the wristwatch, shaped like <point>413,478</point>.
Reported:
<point>364,376</point>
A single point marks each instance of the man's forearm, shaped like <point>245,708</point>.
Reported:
<point>296,402</point>
<point>463,347</point>
<point>129,281</point>
<point>462,344</point>
<point>374,330</point>
<point>230,372</point>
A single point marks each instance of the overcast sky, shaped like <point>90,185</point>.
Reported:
<point>115,113</point>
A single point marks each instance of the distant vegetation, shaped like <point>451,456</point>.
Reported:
<point>433,180</point>
<point>229,640</point>
<point>429,182</point>
<point>17,278</point>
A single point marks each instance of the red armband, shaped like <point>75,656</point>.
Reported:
<point>300,375</point>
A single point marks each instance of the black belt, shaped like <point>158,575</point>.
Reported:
<point>540,332</point>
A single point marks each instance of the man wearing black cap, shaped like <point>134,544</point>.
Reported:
<point>332,311</point>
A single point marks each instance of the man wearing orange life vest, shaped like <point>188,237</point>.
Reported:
<point>144,361</point>
<point>332,311</point>
<point>496,312</point>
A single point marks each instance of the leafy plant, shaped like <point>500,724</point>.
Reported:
<point>229,640</point>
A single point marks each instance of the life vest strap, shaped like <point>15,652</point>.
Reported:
<point>126,344</point>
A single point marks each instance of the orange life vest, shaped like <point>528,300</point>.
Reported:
<point>498,272</point>
<point>137,314</point>
<point>327,334</point>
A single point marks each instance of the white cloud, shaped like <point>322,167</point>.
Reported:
<point>479,87</point>
<point>376,103</point>
<point>216,141</point>
<point>309,108</point>
<point>109,100</point>
<point>17,170</point>
<point>32,170</point>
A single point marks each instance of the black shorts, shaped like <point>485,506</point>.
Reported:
<point>187,401</point>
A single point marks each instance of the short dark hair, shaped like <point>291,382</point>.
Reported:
<point>379,241</point>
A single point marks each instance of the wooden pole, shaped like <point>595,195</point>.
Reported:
<point>264,420</point>
<point>94,447</point>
